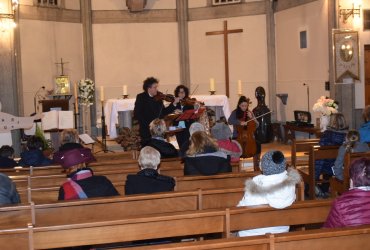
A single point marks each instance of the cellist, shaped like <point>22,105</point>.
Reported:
<point>241,116</point>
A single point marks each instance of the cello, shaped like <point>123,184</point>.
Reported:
<point>246,137</point>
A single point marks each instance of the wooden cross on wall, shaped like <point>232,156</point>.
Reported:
<point>226,33</point>
<point>61,65</point>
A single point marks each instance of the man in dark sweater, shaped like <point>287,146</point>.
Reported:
<point>147,108</point>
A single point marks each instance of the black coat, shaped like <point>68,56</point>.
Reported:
<point>69,146</point>
<point>184,135</point>
<point>166,149</point>
<point>148,181</point>
<point>146,110</point>
<point>209,163</point>
<point>6,162</point>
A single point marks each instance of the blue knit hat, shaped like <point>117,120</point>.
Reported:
<point>273,162</point>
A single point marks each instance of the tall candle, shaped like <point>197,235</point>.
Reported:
<point>101,93</point>
<point>76,98</point>
<point>240,87</point>
<point>212,84</point>
<point>124,89</point>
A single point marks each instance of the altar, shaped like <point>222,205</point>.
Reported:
<point>113,106</point>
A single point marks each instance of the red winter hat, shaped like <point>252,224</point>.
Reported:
<point>76,156</point>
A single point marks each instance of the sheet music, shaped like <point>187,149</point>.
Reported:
<point>65,119</point>
<point>57,120</point>
<point>86,139</point>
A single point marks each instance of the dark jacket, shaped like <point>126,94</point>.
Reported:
<point>94,186</point>
<point>6,162</point>
<point>8,191</point>
<point>34,158</point>
<point>166,149</point>
<point>69,146</point>
<point>184,135</point>
<point>57,156</point>
<point>148,181</point>
<point>146,110</point>
<point>350,209</point>
<point>329,138</point>
<point>365,132</point>
<point>209,163</point>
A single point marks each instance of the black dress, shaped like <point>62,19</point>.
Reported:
<point>184,135</point>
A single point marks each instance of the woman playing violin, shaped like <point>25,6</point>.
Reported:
<point>147,107</point>
<point>182,92</point>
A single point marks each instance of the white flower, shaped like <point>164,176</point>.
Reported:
<point>325,106</point>
<point>86,90</point>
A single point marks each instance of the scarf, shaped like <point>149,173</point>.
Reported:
<point>71,188</point>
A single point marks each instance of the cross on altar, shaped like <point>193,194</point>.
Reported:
<point>225,32</point>
<point>61,63</point>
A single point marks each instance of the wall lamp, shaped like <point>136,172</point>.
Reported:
<point>346,13</point>
<point>7,12</point>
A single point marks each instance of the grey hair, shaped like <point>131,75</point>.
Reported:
<point>157,127</point>
<point>196,126</point>
<point>149,158</point>
<point>69,135</point>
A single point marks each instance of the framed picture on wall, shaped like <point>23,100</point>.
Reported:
<point>62,85</point>
<point>346,55</point>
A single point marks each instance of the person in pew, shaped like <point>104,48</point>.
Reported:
<point>275,187</point>
<point>69,140</point>
<point>196,126</point>
<point>8,191</point>
<point>352,207</point>
<point>157,130</point>
<point>7,157</point>
<point>365,128</point>
<point>351,145</point>
<point>34,155</point>
<point>334,136</point>
<point>148,180</point>
<point>81,182</point>
<point>223,134</point>
<point>204,156</point>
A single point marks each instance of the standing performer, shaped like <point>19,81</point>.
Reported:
<point>182,92</point>
<point>241,118</point>
<point>147,107</point>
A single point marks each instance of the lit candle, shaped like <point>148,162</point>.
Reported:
<point>240,87</point>
<point>124,89</point>
<point>212,84</point>
<point>101,93</point>
<point>76,98</point>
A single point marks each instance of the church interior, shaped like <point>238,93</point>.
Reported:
<point>298,51</point>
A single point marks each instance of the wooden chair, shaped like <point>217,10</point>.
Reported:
<point>337,186</point>
<point>301,146</point>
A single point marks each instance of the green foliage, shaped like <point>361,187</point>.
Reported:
<point>46,143</point>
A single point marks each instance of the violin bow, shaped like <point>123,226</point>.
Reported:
<point>192,93</point>
<point>255,118</point>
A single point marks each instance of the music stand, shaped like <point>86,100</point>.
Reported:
<point>190,114</point>
<point>103,132</point>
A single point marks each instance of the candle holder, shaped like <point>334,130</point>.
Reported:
<point>124,96</point>
<point>212,92</point>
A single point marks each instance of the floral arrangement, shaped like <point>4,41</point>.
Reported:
<point>86,89</point>
<point>325,106</point>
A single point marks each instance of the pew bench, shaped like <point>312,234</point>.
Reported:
<point>300,150</point>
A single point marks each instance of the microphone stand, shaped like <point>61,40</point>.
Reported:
<point>103,132</point>
<point>35,97</point>
<point>76,115</point>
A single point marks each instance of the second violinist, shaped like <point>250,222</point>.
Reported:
<point>182,92</point>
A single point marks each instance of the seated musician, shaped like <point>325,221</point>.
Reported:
<point>204,156</point>
<point>7,157</point>
<point>8,191</point>
<point>157,129</point>
<point>148,180</point>
<point>352,207</point>
<point>275,187</point>
<point>222,133</point>
<point>34,155</point>
<point>351,145</point>
<point>81,182</point>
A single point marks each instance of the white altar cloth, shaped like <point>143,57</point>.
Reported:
<point>113,106</point>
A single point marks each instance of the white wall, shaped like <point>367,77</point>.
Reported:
<point>296,66</point>
<point>247,56</point>
<point>40,53</point>
<point>108,5</point>
<point>197,3</point>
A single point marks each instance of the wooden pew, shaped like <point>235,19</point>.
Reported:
<point>301,146</point>
<point>337,186</point>
<point>16,238</point>
<point>117,155</point>
<point>177,224</point>
<point>316,153</point>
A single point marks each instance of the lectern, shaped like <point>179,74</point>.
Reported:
<point>48,105</point>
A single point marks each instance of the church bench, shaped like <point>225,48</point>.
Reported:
<point>308,173</point>
<point>117,155</point>
<point>339,186</point>
<point>178,224</point>
<point>299,147</point>
<point>16,238</point>
<point>16,216</point>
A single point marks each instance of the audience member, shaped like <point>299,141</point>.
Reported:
<point>352,207</point>
<point>7,157</point>
<point>69,140</point>
<point>196,126</point>
<point>352,144</point>
<point>333,136</point>
<point>275,187</point>
<point>157,129</point>
<point>204,157</point>
<point>81,182</point>
<point>34,155</point>
<point>8,191</point>
<point>223,134</point>
<point>148,180</point>
<point>365,128</point>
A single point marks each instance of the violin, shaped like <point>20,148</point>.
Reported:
<point>164,97</point>
<point>190,102</point>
